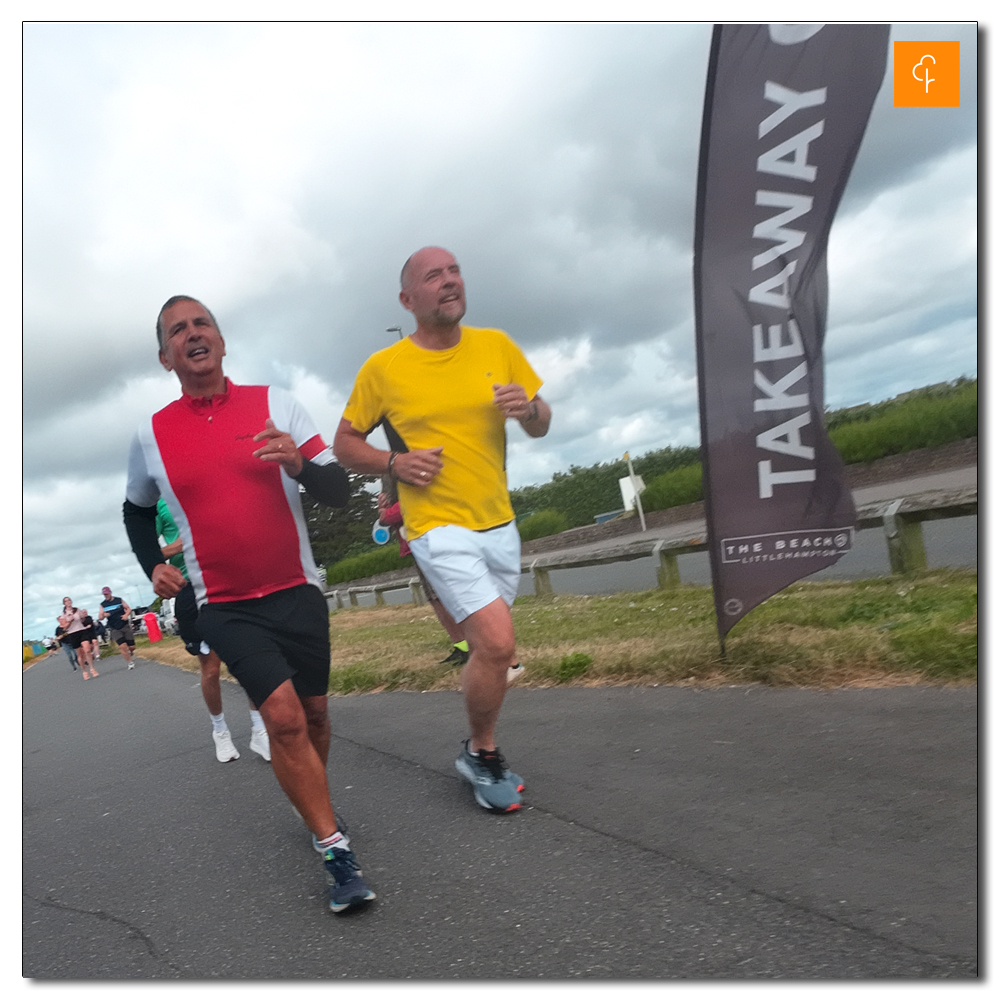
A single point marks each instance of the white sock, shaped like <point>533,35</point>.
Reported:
<point>218,722</point>
<point>256,721</point>
<point>334,840</point>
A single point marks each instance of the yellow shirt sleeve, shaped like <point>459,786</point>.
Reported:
<point>521,371</point>
<point>365,405</point>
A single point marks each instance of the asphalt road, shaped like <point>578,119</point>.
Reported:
<point>741,833</point>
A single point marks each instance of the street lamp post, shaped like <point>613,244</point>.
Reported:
<point>398,330</point>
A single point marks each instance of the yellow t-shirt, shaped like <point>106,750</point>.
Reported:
<point>431,399</point>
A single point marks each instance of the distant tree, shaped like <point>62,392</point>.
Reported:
<point>583,492</point>
<point>921,418</point>
<point>337,532</point>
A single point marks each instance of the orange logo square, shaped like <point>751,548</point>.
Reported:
<point>925,74</point>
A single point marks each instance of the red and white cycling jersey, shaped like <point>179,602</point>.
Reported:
<point>240,519</point>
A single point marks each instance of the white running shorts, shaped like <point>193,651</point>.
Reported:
<point>470,569</point>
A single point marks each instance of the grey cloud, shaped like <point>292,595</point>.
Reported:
<point>899,143</point>
<point>566,189</point>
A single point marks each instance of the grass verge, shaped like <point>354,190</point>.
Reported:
<point>919,629</point>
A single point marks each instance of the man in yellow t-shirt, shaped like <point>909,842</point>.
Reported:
<point>443,396</point>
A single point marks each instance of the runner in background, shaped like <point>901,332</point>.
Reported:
<point>119,616</point>
<point>186,612</point>
<point>391,516</point>
<point>79,628</point>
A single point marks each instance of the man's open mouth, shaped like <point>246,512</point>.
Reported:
<point>197,352</point>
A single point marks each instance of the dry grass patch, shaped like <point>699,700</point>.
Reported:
<point>170,650</point>
<point>872,633</point>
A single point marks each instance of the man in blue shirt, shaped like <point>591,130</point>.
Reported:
<point>119,615</point>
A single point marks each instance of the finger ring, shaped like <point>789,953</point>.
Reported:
<point>423,475</point>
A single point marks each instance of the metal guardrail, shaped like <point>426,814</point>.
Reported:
<point>900,519</point>
<point>379,589</point>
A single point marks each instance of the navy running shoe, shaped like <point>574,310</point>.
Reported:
<point>496,787</point>
<point>344,882</point>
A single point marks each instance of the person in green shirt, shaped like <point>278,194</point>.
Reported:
<point>186,612</point>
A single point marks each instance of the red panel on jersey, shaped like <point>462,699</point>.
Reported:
<point>243,531</point>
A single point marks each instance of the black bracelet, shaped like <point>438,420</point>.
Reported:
<point>393,455</point>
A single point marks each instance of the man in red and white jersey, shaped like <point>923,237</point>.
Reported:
<point>229,459</point>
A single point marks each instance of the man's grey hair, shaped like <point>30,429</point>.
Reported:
<point>404,275</point>
<point>172,301</point>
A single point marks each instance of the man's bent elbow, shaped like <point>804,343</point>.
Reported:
<point>345,444</point>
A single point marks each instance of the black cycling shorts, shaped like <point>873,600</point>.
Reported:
<point>268,640</point>
<point>81,635</point>
<point>186,613</point>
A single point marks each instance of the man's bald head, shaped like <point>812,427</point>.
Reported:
<point>414,261</point>
<point>432,288</point>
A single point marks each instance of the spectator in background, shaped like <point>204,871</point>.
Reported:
<point>186,613</point>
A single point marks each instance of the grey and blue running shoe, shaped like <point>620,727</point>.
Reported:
<point>345,885</point>
<point>496,787</point>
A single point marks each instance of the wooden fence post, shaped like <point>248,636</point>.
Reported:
<point>904,537</point>
<point>668,574</point>
<point>417,590</point>
<point>353,597</point>
<point>543,585</point>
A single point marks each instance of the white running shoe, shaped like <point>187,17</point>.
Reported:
<point>225,749</point>
<point>514,673</point>
<point>260,743</point>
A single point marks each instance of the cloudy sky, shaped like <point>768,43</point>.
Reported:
<point>283,172</point>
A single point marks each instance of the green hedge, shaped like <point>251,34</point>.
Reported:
<point>382,559</point>
<point>545,522</point>
<point>925,419</point>
<point>583,492</point>
<point>673,489</point>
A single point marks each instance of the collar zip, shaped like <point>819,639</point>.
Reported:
<point>200,403</point>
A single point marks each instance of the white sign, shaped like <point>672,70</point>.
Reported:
<point>630,486</point>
